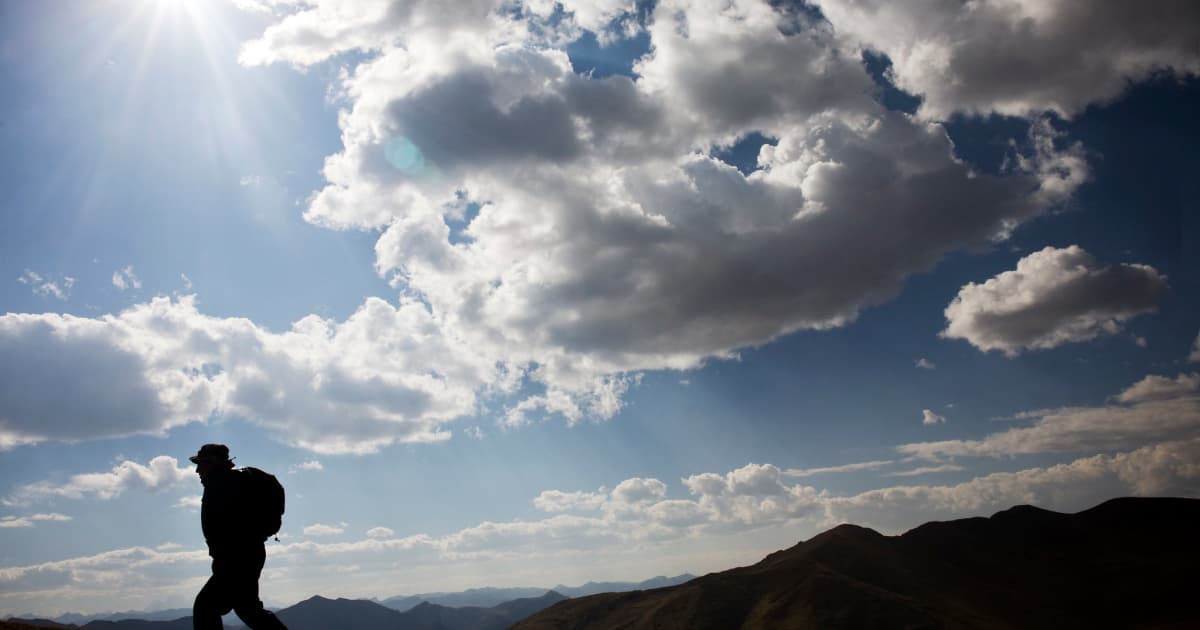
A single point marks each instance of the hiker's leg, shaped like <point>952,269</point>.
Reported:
<point>259,618</point>
<point>212,602</point>
<point>247,605</point>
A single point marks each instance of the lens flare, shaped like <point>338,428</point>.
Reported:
<point>404,156</point>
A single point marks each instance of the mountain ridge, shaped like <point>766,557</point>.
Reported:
<point>1023,567</point>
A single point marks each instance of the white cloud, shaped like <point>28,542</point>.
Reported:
<point>1054,296</point>
<point>1194,357</point>
<point>1162,409</point>
<point>924,364</point>
<point>929,417</point>
<point>377,532</point>
<point>353,386</point>
<point>126,279</point>
<point>59,287</point>
<point>1155,387</point>
<point>252,6</point>
<point>558,501</point>
<point>159,474</point>
<point>30,520</point>
<point>52,516</point>
<point>855,467</point>
<point>605,243</point>
<point>310,465</point>
<point>607,240</point>
<point>191,502</point>
<point>638,490</point>
<point>138,576</point>
<point>319,529</point>
<point>593,15</point>
<point>325,28</point>
<point>1021,58</point>
<point>187,282</point>
<point>926,470</point>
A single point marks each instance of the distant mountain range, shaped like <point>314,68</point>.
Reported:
<point>494,596</point>
<point>319,613</point>
<point>476,597</point>
<point>1127,563</point>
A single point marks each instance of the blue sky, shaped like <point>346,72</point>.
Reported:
<point>533,293</point>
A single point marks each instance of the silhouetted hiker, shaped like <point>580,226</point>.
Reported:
<point>238,514</point>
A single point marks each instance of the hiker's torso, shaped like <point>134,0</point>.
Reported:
<point>224,514</point>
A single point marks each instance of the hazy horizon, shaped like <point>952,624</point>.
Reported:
<point>519,292</point>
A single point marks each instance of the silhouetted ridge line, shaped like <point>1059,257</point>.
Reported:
<point>1125,563</point>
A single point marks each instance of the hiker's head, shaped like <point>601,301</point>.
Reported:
<point>211,457</point>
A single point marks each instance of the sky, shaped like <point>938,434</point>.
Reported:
<point>526,293</point>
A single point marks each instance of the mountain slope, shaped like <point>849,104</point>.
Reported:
<point>428,616</point>
<point>1124,563</point>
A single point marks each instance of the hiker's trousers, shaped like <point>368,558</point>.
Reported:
<point>234,586</point>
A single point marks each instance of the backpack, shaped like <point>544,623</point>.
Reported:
<point>263,501</point>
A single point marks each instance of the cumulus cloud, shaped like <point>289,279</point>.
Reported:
<point>751,496</point>
<point>310,465</point>
<point>111,393</point>
<point>59,287</point>
<point>1054,296</point>
<point>1021,58</point>
<point>558,501</point>
<point>159,474</point>
<point>1158,409</point>
<point>352,386</point>
<point>638,490</point>
<point>378,532</point>
<point>604,242</point>
<point>320,529</point>
<point>126,279</point>
<point>602,236</point>
<point>928,417</point>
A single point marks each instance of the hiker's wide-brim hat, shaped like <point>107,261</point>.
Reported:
<point>211,453</point>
